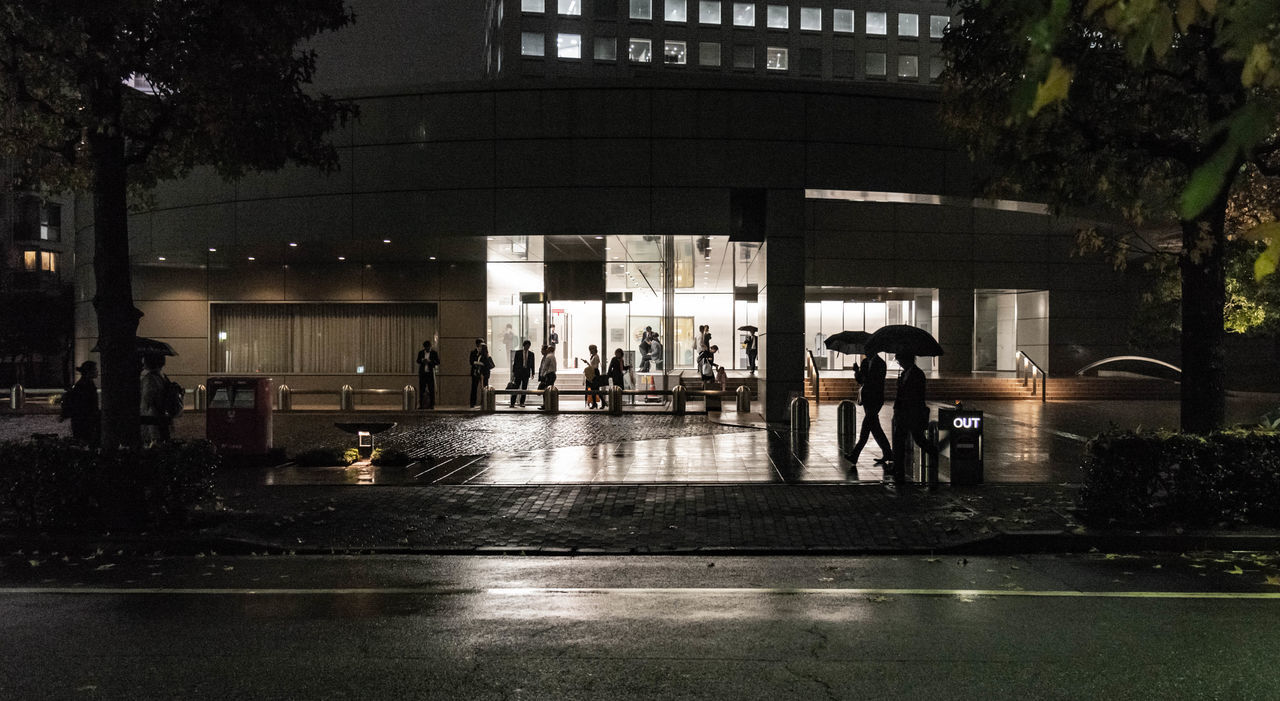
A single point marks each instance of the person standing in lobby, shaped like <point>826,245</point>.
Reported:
<point>521,369</point>
<point>752,348</point>
<point>547,370</point>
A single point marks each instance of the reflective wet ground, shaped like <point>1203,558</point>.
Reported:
<point>1024,441</point>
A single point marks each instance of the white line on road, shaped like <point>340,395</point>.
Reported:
<point>628,591</point>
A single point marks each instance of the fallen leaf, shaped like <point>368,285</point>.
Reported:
<point>878,599</point>
<point>1235,570</point>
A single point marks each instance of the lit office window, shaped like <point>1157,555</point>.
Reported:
<point>908,66</point>
<point>641,9</point>
<point>640,51</point>
<point>908,25</point>
<point>43,261</point>
<point>709,12</point>
<point>570,7</point>
<point>936,65</point>
<point>606,49</point>
<point>744,14</point>
<point>531,44</point>
<point>568,46</point>
<point>709,53</point>
<point>811,19</point>
<point>875,63</point>
<point>877,23</point>
<point>938,26</point>
<point>777,17</point>
<point>775,58</point>
<point>842,21</point>
<point>532,6</point>
<point>675,52</point>
<point>744,57</point>
<point>677,11</point>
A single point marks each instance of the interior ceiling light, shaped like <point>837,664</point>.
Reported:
<point>161,258</point>
<point>342,257</point>
<point>293,245</point>
<point>431,257</point>
<point>599,238</point>
<point>252,258</point>
<point>213,250</point>
<point>386,240</point>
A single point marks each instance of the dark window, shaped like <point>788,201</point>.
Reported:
<point>811,62</point>
<point>842,63</point>
<point>606,9</point>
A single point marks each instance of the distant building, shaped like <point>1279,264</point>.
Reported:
<point>35,310</point>
<point>626,163</point>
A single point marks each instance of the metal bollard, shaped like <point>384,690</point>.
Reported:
<point>284,398</point>
<point>17,397</point>
<point>679,397</point>
<point>800,415</point>
<point>615,400</point>
<point>346,398</point>
<point>744,399</point>
<point>200,398</point>
<point>488,400</point>
<point>409,398</point>
<point>929,465</point>
<point>846,426</point>
<point>551,400</point>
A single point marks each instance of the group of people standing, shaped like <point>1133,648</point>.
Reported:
<point>910,414</point>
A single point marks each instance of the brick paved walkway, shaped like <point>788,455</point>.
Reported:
<point>639,518</point>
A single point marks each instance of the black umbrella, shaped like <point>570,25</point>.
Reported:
<point>748,327</point>
<point>847,342</point>
<point>147,346</point>
<point>901,338</point>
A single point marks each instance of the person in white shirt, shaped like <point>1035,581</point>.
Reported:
<point>547,370</point>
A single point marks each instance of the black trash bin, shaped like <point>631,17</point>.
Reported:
<point>960,434</point>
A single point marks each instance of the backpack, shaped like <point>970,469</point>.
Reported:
<point>172,402</point>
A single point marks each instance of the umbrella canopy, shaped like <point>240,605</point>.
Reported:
<point>148,346</point>
<point>748,327</point>
<point>847,342</point>
<point>901,338</point>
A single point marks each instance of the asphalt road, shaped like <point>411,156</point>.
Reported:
<point>1070,627</point>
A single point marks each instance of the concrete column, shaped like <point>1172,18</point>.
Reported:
<point>781,304</point>
<point>955,330</point>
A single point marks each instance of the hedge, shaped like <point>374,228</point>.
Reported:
<point>57,484</point>
<point>1165,478</point>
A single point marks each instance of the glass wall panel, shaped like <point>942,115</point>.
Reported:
<point>513,310</point>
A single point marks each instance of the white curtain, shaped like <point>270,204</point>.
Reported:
<point>319,338</point>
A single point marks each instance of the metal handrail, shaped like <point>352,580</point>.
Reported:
<point>1117,358</point>
<point>812,367</point>
<point>1032,368</point>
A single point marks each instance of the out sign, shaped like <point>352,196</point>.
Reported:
<point>967,422</point>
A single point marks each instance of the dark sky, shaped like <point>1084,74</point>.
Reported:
<point>403,42</point>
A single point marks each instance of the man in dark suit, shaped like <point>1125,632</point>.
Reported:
<point>521,369</point>
<point>477,373</point>
<point>910,415</point>
<point>870,374</point>
<point>428,360</point>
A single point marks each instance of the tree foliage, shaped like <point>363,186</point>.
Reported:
<point>1149,113</point>
<point>111,96</point>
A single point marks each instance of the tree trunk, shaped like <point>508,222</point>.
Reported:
<point>1204,399</point>
<point>113,297</point>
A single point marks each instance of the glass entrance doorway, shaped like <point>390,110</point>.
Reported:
<point>577,324</point>
<point>1006,321</point>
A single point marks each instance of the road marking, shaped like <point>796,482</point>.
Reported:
<point>601,591</point>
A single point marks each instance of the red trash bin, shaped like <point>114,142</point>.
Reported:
<point>238,418</point>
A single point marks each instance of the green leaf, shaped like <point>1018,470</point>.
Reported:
<point>1256,65</point>
<point>1187,11</point>
<point>1053,88</point>
<point>1267,260</point>
<point>1206,182</point>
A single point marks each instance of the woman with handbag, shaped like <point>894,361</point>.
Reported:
<point>591,378</point>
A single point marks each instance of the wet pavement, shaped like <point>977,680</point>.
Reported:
<point>662,484</point>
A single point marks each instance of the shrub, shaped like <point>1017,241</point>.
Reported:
<point>324,457</point>
<point>1164,477</point>
<point>61,484</point>
<point>390,457</point>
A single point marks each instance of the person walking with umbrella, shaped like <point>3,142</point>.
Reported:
<point>870,374</point>
<point>910,415</point>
